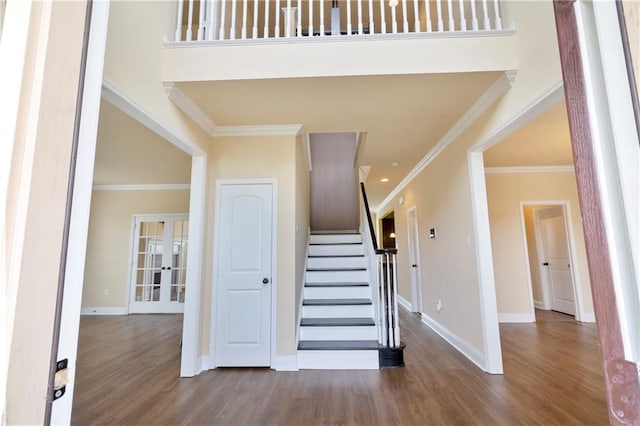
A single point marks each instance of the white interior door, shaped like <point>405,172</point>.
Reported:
<point>159,264</point>
<point>414,260</point>
<point>243,325</point>
<point>556,260</point>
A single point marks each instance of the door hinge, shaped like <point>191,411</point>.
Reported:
<point>61,379</point>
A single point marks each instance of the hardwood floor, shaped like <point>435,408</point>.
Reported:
<point>128,374</point>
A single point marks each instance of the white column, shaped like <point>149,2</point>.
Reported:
<point>289,19</point>
<point>223,12</point>
<point>360,28</point>
<point>310,18</point>
<point>463,20</point>
<point>202,18</point>
<point>383,19</point>
<point>190,21</point>
<point>234,10</point>
<point>427,11</point>
<point>496,9</point>
<point>277,29</point>
<point>452,25</point>
<point>266,20</point>
<point>474,17</point>
<point>349,17</point>
<point>299,16</point>
<point>372,29</point>
<point>178,36</point>
<point>321,18</point>
<point>394,22</point>
<point>405,22</point>
<point>212,26</point>
<point>245,6</point>
<point>254,29</point>
<point>416,15</point>
<point>485,11</point>
<point>439,10</point>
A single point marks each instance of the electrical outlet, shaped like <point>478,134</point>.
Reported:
<point>439,305</point>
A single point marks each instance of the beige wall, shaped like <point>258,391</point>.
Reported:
<point>504,194</point>
<point>36,199</point>
<point>133,60</point>
<point>268,157</point>
<point>109,240</point>
<point>442,195</point>
<point>533,252</point>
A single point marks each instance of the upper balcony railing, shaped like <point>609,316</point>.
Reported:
<point>201,20</point>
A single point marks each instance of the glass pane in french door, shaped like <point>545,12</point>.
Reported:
<point>149,249</point>
<point>179,260</point>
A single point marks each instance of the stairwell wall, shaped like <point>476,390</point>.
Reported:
<point>442,192</point>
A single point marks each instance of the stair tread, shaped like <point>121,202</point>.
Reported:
<point>335,244</point>
<point>331,302</point>
<point>325,256</point>
<point>339,269</point>
<point>338,284</point>
<point>338,345</point>
<point>336,322</point>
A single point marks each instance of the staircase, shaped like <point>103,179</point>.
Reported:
<point>337,329</point>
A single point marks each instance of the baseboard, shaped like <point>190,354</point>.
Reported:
<point>405,303</point>
<point>285,363</point>
<point>117,310</point>
<point>587,317</point>
<point>539,305</point>
<point>463,347</point>
<point>516,317</point>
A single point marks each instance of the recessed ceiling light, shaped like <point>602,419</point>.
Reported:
<point>395,164</point>
<point>384,180</point>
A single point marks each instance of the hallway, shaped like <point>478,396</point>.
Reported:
<point>128,368</point>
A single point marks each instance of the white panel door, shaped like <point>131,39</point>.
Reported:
<point>243,325</point>
<point>557,261</point>
<point>159,264</point>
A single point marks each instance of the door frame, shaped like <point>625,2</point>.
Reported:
<point>132,251</point>
<point>216,261</point>
<point>570,236</point>
<point>416,279</point>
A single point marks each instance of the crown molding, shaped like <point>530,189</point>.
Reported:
<point>266,130</point>
<point>531,169</point>
<point>184,102</point>
<point>120,99</point>
<point>495,91</point>
<point>143,187</point>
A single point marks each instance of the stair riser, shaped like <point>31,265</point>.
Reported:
<point>337,250</point>
<point>338,311</point>
<point>335,238</point>
<point>336,262</point>
<point>337,293</point>
<point>339,333</point>
<point>337,276</point>
<point>338,360</point>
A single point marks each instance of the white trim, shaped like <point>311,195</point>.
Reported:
<point>361,37</point>
<point>539,305</point>
<point>484,264</point>
<point>460,345</point>
<point>531,169</point>
<point>125,103</point>
<point>516,318</point>
<point>184,102</point>
<point>547,99</point>
<point>527,263</point>
<point>405,303</point>
<point>497,89</point>
<point>266,130</point>
<point>80,209</point>
<point>307,144</point>
<point>274,257</point>
<point>285,363</point>
<point>189,365</point>
<point>203,364</point>
<point>143,187</point>
<point>113,310</point>
<point>416,287</point>
<point>587,318</point>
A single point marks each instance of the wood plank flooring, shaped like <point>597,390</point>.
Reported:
<point>128,374</point>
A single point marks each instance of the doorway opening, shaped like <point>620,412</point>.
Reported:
<point>550,255</point>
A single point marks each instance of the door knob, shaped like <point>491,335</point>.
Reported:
<point>414,266</point>
<point>545,264</point>
<point>265,281</point>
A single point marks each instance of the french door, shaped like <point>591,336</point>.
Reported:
<point>159,264</point>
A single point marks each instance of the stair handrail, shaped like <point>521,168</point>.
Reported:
<point>386,283</point>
